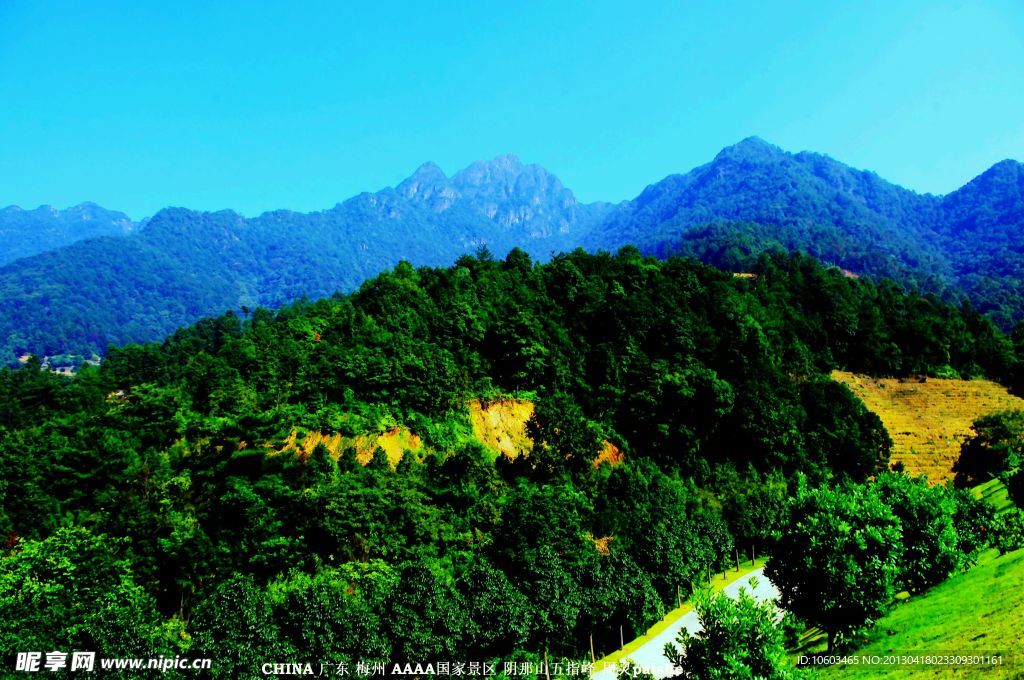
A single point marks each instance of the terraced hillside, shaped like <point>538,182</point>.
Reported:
<point>928,419</point>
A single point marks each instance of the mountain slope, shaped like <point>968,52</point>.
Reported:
<point>754,196</point>
<point>231,473</point>
<point>975,614</point>
<point>929,420</point>
<point>183,264</point>
<point>982,227</point>
<point>29,232</point>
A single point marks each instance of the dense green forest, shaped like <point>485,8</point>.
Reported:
<point>152,506</point>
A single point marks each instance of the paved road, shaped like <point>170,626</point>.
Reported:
<point>651,655</point>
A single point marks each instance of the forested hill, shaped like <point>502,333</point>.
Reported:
<point>750,198</point>
<point>856,218</point>
<point>202,495</point>
<point>982,232</point>
<point>28,232</point>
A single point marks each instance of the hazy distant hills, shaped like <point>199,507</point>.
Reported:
<point>181,265</point>
<point>28,232</point>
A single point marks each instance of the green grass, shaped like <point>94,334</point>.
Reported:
<point>717,584</point>
<point>977,613</point>
<point>994,493</point>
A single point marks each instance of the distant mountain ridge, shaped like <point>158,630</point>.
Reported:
<point>506,192</point>
<point>184,264</point>
<point>128,283</point>
<point>29,232</point>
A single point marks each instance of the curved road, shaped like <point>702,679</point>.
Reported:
<point>651,656</point>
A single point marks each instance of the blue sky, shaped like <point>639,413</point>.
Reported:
<point>254,106</point>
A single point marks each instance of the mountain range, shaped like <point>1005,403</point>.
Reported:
<point>80,279</point>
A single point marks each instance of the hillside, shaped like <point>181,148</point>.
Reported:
<point>976,613</point>
<point>754,196</point>
<point>501,425</point>
<point>928,420</point>
<point>982,229</point>
<point>751,198</point>
<point>227,496</point>
<point>802,201</point>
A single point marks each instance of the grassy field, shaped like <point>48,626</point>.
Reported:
<point>928,420</point>
<point>977,613</point>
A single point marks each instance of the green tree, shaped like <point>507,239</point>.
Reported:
<point>565,439</point>
<point>838,560</point>
<point>932,550</point>
<point>500,614</point>
<point>425,617</point>
<point>755,508</point>
<point>738,640</point>
<point>996,447</point>
<point>620,594</point>
<point>1015,487</point>
<point>73,591</point>
<point>1008,531</point>
<point>235,624</point>
<point>842,434</point>
<point>973,519</point>
<point>662,523</point>
<point>328,617</point>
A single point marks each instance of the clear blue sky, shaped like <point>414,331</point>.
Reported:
<point>253,106</point>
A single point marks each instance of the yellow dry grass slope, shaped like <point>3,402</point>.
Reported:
<point>928,420</point>
<point>501,425</point>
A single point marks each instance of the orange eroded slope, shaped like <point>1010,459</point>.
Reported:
<point>501,425</point>
<point>394,442</point>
